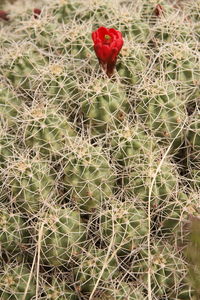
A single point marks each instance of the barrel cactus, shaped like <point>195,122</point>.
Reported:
<point>63,236</point>
<point>15,284</point>
<point>31,183</point>
<point>125,224</point>
<point>103,105</point>
<point>58,289</point>
<point>96,270</point>
<point>88,177</point>
<point>163,112</point>
<point>10,105</point>
<point>14,233</point>
<point>99,149</point>
<point>47,131</point>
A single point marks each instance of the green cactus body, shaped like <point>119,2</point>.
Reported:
<point>89,177</point>
<point>163,112</point>
<point>125,224</point>
<point>135,29</point>
<point>31,183</point>
<point>65,10</point>
<point>48,131</point>
<point>13,282</point>
<point>170,30</point>
<point>168,272</point>
<point>43,32</point>
<point>172,214</point>
<point>138,181</point>
<point>131,145</point>
<point>179,64</point>
<point>132,64</point>
<point>23,67</point>
<point>193,137</point>
<point>98,12</point>
<point>10,105</point>
<point>95,265</point>
<point>14,235</point>
<point>63,236</point>
<point>6,148</point>
<point>123,291</point>
<point>59,85</point>
<point>104,105</point>
<point>58,289</point>
<point>77,44</point>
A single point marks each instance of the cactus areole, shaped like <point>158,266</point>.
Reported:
<point>107,45</point>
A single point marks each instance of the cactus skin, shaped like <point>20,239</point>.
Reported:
<point>25,68</point>
<point>6,148</point>
<point>14,235</point>
<point>173,213</point>
<point>63,236</point>
<point>59,85</point>
<point>58,289</point>
<point>13,282</point>
<point>126,223</point>
<point>123,291</point>
<point>88,270</point>
<point>168,273</point>
<point>132,64</point>
<point>47,131</point>
<point>137,182</point>
<point>193,137</point>
<point>65,11</point>
<point>180,65</point>
<point>31,183</point>
<point>131,145</point>
<point>163,112</point>
<point>103,105</point>
<point>134,29</point>
<point>88,177</point>
<point>10,105</point>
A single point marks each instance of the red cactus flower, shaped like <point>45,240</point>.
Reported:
<point>107,45</point>
<point>158,10</point>
<point>4,15</point>
<point>36,12</point>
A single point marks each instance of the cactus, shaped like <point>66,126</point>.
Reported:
<point>125,224</point>
<point>180,64</point>
<point>131,145</point>
<point>103,105</point>
<point>14,234</point>
<point>59,289</point>
<point>133,63</point>
<point>60,86</point>
<point>95,268</point>
<point>168,272</point>
<point>65,10</point>
<point>193,137</point>
<point>6,148</point>
<point>47,131</point>
<point>134,29</point>
<point>10,105</point>
<point>163,112</point>
<point>13,282</point>
<point>137,182</point>
<point>22,66</point>
<point>99,167</point>
<point>31,183</point>
<point>63,236</point>
<point>122,291</point>
<point>88,177</point>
